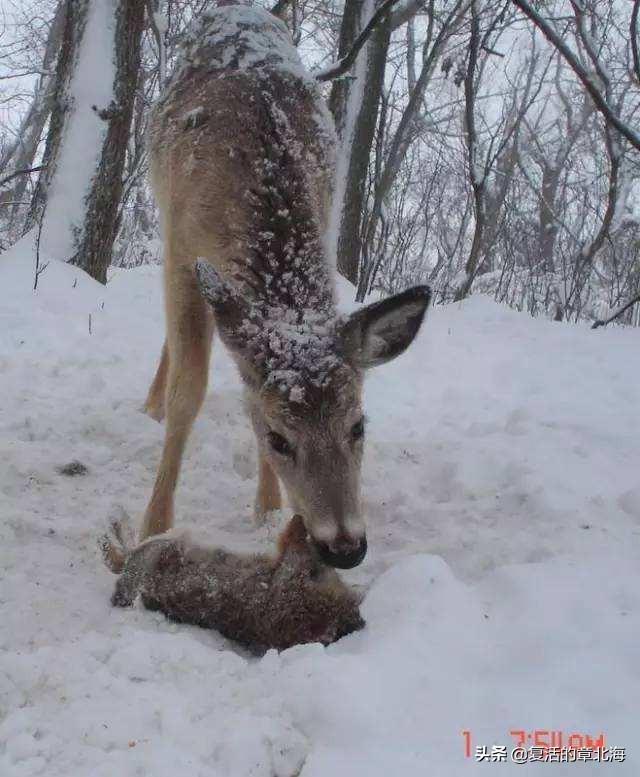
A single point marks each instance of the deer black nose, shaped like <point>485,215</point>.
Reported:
<point>343,552</point>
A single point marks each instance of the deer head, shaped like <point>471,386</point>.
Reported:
<point>303,372</point>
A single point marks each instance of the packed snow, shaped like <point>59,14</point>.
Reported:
<point>502,581</point>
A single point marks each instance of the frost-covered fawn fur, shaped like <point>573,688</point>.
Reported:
<point>260,601</point>
<point>242,165</point>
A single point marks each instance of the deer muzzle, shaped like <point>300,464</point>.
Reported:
<point>344,552</point>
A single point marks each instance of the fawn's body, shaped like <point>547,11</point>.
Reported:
<point>260,601</point>
<point>242,165</point>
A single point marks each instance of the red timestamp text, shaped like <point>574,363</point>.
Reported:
<point>545,738</point>
<point>550,738</point>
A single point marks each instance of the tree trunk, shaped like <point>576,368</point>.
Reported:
<point>547,223</point>
<point>354,103</point>
<point>75,19</point>
<point>103,201</point>
<point>477,172</point>
<point>77,198</point>
<point>407,131</point>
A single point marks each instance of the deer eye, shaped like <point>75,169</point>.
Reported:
<point>279,444</point>
<point>357,430</point>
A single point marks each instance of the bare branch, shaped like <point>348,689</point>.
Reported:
<point>343,65</point>
<point>16,173</point>
<point>601,103</point>
<point>489,50</point>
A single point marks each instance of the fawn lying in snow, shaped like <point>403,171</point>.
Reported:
<point>258,600</point>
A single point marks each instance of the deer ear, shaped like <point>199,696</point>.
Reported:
<point>233,315</point>
<point>381,331</point>
<point>229,307</point>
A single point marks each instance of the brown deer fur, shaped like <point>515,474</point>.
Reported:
<point>242,165</point>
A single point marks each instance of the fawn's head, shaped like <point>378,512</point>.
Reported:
<point>303,373</point>
<point>309,601</point>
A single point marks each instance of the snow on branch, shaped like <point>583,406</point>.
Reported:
<point>344,64</point>
<point>600,100</point>
<point>16,173</point>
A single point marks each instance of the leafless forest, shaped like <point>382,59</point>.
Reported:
<point>483,146</point>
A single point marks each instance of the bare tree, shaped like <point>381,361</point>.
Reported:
<point>593,79</point>
<point>75,17</point>
<point>410,126</point>
<point>354,103</point>
<point>93,231</point>
<point>21,154</point>
<point>101,222</point>
<point>483,147</point>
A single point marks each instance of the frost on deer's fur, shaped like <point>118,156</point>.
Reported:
<point>252,41</point>
<point>242,38</point>
<point>292,346</point>
<point>252,31</point>
<point>294,355</point>
<point>292,327</point>
<point>289,329</point>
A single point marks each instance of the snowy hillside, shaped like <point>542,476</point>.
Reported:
<point>503,499</point>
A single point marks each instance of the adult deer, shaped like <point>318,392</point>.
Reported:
<point>242,165</point>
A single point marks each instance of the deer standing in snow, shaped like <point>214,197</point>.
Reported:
<point>242,166</point>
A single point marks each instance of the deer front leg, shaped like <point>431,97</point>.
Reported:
<point>189,333</point>
<point>268,494</point>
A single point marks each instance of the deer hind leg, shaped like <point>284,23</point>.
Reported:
<point>189,333</point>
<point>154,406</point>
<point>268,494</point>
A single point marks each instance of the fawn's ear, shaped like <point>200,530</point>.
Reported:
<point>294,537</point>
<point>383,330</point>
<point>294,546</point>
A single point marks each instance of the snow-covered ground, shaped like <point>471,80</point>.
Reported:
<point>502,489</point>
